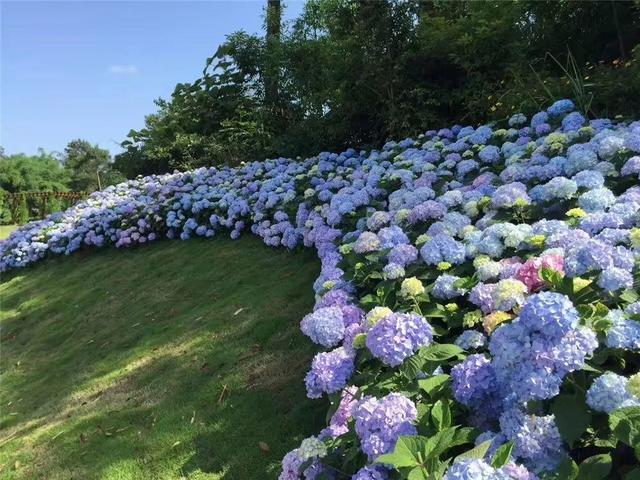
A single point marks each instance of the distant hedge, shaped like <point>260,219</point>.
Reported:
<point>20,207</point>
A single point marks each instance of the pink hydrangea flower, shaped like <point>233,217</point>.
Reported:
<point>529,272</point>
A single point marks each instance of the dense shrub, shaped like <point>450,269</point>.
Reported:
<point>477,307</point>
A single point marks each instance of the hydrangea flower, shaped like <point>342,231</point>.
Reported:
<point>397,336</point>
<point>624,332</point>
<point>613,279</point>
<point>471,339</point>
<point>411,287</point>
<point>609,392</point>
<point>329,372</point>
<point>325,326</point>
<point>379,422</point>
<point>537,441</point>
<point>444,287</point>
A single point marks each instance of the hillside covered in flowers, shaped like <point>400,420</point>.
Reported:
<point>477,309</point>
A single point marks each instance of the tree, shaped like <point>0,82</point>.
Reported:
<point>354,73</point>
<point>89,167</point>
<point>37,173</point>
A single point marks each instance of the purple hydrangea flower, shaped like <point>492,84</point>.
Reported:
<point>398,336</point>
<point>379,422</point>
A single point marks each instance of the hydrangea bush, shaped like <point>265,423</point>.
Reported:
<point>477,311</point>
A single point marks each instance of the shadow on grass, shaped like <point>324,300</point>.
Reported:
<point>170,361</point>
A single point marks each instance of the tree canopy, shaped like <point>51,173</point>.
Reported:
<point>356,72</point>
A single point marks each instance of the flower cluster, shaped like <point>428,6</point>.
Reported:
<point>515,250</point>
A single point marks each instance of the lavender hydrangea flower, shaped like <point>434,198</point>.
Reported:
<point>613,279</point>
<point>537,441</point>
<point>508,195</point>
<point>329,372</point>
<point>398,336</point>
<point>371,472</point>
<point>474,382</point>
<point>379,422</point>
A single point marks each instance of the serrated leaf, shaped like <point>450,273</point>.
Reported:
<point>435,384</point>
<point>412,366</point>
<point>439,352</point>
<point>595,468</point>
<point>441,415</point>
<point>477,452</point>
<point>417,474</point>
<point>629,296</point>
<point>625,425</point>
<point>502,455</point>
<point>567,470</point>
<point>405,453</point>
<point>572,416</point>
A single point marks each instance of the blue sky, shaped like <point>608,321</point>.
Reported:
<point>91,69</point>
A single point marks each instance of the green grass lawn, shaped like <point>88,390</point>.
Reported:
<point>176,360</point>
<point>5,230</point>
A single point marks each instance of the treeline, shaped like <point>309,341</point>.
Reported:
<point>66,177</point>
<point>355,73</point>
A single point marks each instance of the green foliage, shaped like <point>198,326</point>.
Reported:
<point>89,167</point>
<point>23,173</point>
<point>595,468</point>
<point>572,416</point>
<point>625,425</point>
<point>353,73</point>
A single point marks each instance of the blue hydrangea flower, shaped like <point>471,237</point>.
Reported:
<point>560,107</point>
<point>471,339</point>
<point>537,441</point>
<point>609,392</point>
<point>325,326</point>
<point>442,248</point>
<point>613,279</point>
<point>371,472</point>
<point>444,288</point>
<point>624,332</point>
<point>549,313</point>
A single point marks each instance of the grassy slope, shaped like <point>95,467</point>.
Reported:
<point>140,365</point>
<point>5,230</point>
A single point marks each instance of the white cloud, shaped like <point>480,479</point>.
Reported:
<point>123,69</point>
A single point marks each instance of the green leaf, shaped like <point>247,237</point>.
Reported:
<point>629,296</point>
<point>625,425</point>
<point>477,452</point>
<point>434,385</point>
<point>572,416</point>
<point>567,470</point>
<point>405,453</point>
<point>502,455</point>
<point>412,366</point>
<point>439,352</point>
<point>417,473</point>
<point>633,474</point>
<point>441,415</point>
<point>595,468</point>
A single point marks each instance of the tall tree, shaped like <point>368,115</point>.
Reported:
<point>272,69</point>
<point>89,166</point>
